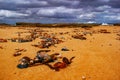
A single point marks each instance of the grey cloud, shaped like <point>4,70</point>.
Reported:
<point>8,6</point>
<point>60,10</point>
<point>114,3</point>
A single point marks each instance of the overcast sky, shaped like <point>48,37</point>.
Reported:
<point>55,11</point>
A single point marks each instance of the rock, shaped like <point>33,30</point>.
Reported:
<point>83,78</point>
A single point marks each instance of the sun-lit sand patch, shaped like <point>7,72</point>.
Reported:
<point>96,58</point>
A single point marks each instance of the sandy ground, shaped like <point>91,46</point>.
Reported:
<point>97,58</point>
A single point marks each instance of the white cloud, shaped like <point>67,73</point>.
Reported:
<point>43,2</point>
<point>46,12</point>
<point>91,22</point>
<point>104,0</point>
<point>86,16</point>
<point>7,13</point>
<point>25,2</point>
<point>105,7</point>
<point>28,11</point>
<point>112,17</point>
<point>16,1</point>
<point>54,10</point>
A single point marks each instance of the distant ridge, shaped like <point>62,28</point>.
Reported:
<point>23,24</point>
<point>117,24</point>
<point>4,24</point>
<point>27,24</point>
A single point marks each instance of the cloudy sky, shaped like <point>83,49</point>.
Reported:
<point>55,11</point>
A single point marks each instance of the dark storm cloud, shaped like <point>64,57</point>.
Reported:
<point>114,3</point>
<point>60,10</point>
<point>8,6</point>
<point>31,5</point>
<point>75,3</point>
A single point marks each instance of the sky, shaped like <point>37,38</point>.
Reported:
<point>60,11</point>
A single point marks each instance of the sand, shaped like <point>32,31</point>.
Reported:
<point>97,58</point>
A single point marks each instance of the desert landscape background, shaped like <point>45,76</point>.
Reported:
<point>96,58</point>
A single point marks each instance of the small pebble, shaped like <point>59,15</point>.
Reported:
<point>83,78</point>
<point>15,73</point>
<point>110,44</point>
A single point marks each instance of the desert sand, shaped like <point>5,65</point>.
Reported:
<point>96,58</point>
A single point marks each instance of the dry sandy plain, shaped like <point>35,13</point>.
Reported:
<point>97,58</point>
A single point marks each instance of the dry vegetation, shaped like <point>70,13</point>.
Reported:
<point>55,25</point>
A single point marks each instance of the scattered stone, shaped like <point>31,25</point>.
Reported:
<point>81,37</point>
<point>3,40</point>
<point>83,78</point>
<point>64,49</point>
<point>15,73</point>
<point>1,47</point>
<point>118,38</point>
<point>19,52</point>
<point>118,34</point>
<point>102,45</point>
<point>110,44</point>
<point>103,31</point>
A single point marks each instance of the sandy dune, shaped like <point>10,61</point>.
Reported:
<point>97,58</point>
